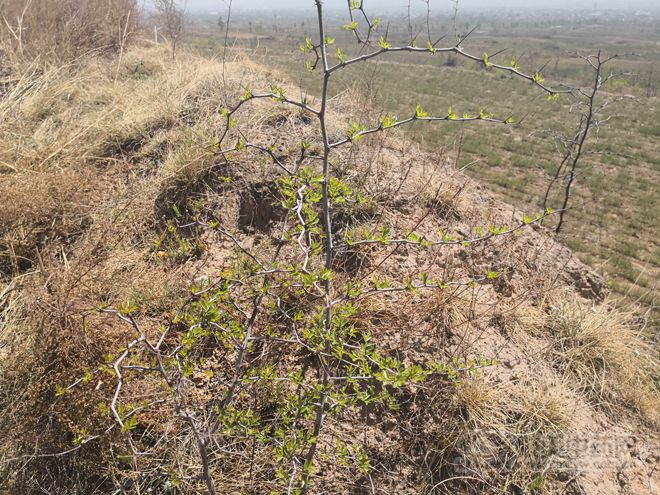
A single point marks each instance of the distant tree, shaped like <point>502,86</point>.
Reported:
<point>221,23</point>
<point>574,148</point>
<point>171,17</point>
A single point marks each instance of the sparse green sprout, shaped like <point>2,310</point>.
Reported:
<point>103,408</point>
<point>82,436</point>
<point>446,237</point>
<point>420,113</point>
<point>485,60</point>
<point>130,424</point>
<point>536,484</point>
<point>307,47</point>
<point>278,93</point>
<point>451,115</point>
<point>341,56</point>
<point>384,236</point>
<point>247,94</point>
<point>350,27</point>
<point>384,44</point>
<point>128,307</point>
<point>354,132</point>
<point>430,47</point>
<point>484,115</point>
<point>538,78</point>
<point>329,40</point>
<point>388,121</point>
<point>381,284</point>
<point>554,97</point>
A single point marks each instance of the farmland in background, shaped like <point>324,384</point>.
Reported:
<point>614,221</point>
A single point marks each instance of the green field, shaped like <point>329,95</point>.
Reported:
<point>613,221</point>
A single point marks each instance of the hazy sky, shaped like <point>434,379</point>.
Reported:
<point>437,5</point>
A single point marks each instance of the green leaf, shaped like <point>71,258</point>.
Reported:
<point>354,132</point>
<point>536,484</point>
<point>329,40</point>
<point>384,44</point>
<point>307,47</point>
<point>247,94</point>
<point>388,121</point>
<point>81,437</point>
<point>130,424</point>
<point>420,113</point>
<point>350,27</point>
<point>538,78</point>
<point>340,56</point>
<point>278,93</point>
<point>486,62</point>
<point>430,47</point>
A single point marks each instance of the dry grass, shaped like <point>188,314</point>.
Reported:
<point>507,435</point>
<point>601,354</point>
<point>64,28</point>
<point>90,167</point>
<point>71,136</point>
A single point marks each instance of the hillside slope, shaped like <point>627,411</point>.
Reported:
<point>479,356</point>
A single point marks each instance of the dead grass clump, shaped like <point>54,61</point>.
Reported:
<point>37,210</point>
<point>601,356</point>
<point>501,436</point>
